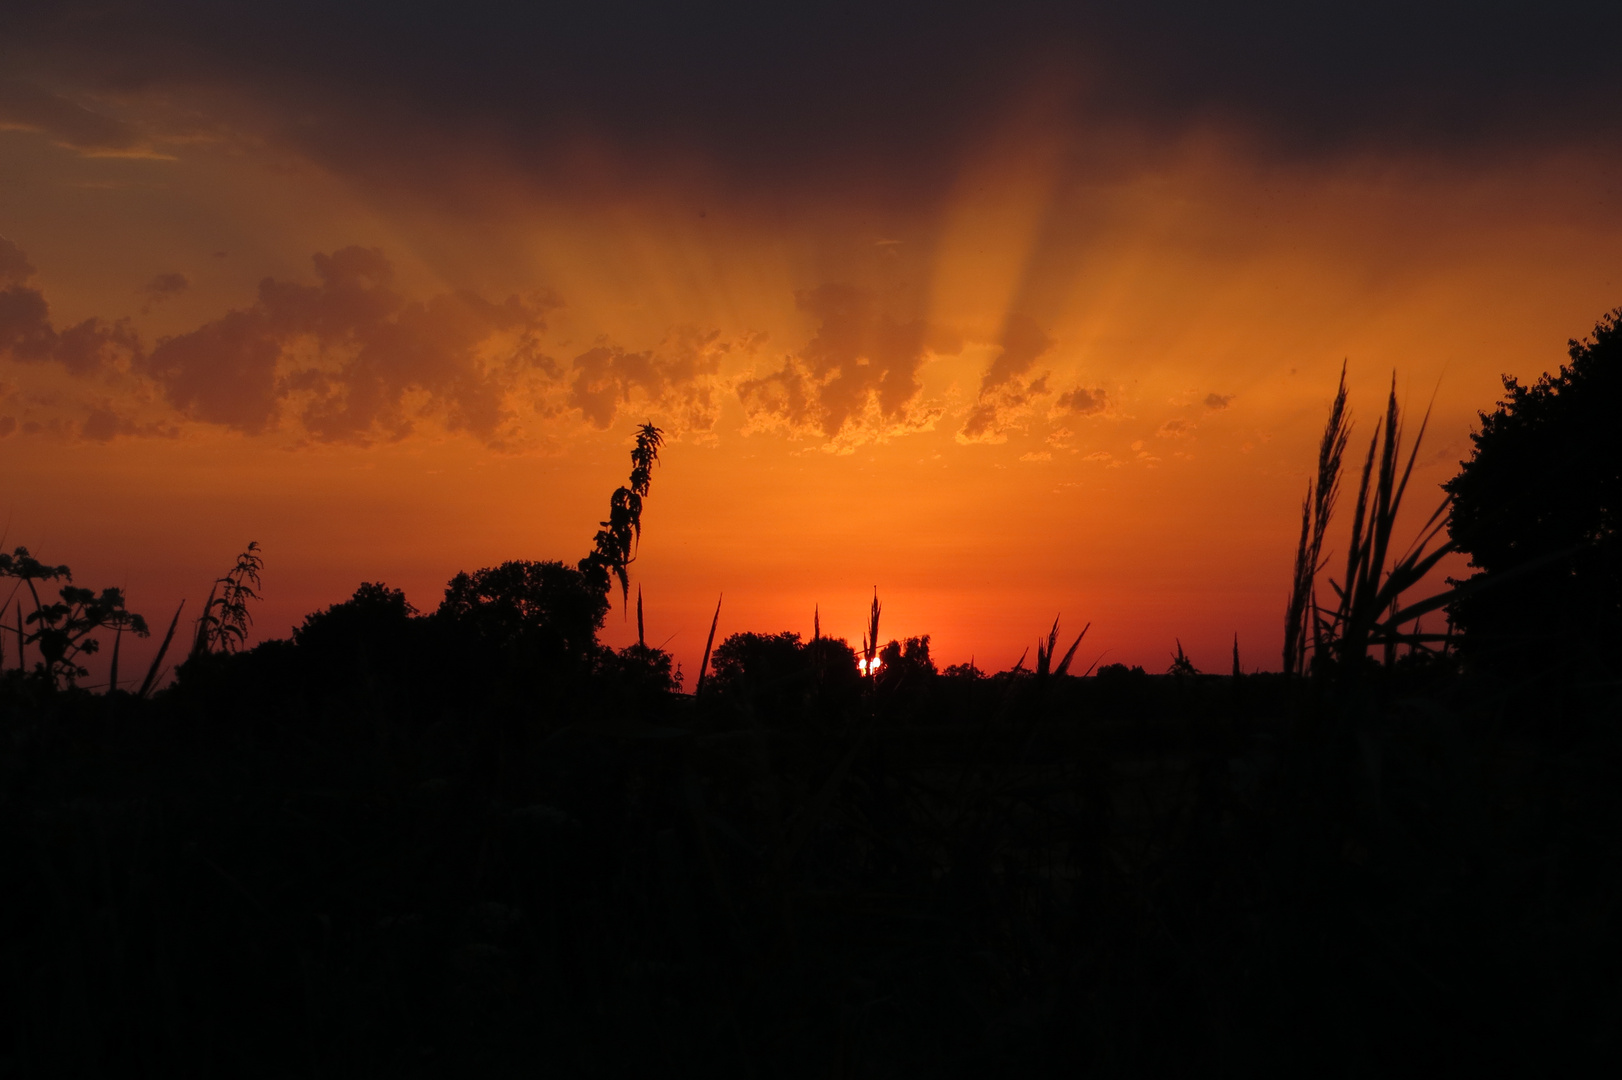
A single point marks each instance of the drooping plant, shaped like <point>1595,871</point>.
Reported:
<point>614,547</point>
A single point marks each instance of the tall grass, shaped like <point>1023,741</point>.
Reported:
<point>1316,510</point>
<point>1370,605</point>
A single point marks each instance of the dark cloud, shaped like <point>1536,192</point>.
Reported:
<point>14,265</point>
<point>679,380</point>
<point>25,106</point>
<point>1003,387</point>
<point>166,285</point>
<point>796,94</point>
<point>1175,429</point>
<point>27,335</point>
<point>93,345</point>
<point>1218,402</point>
<point>1082,401</point>
<point>860,366</point>
<point>351,356</point>
<point>25,324</point>
<point>105,423</point>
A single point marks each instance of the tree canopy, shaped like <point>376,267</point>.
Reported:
<point>1536,508</point>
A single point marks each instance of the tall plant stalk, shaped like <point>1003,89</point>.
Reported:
<point>870,637</point>
<point>223,626</point>
<point>1369,608</point>
<point>614,547</point>
<point>1316,510</point>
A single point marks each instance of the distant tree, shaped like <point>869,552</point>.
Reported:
<point>640,667</point>
<point>540,605</point>
<point>907,659</point>
<point>375,613</point>
<point>833,665</point>
<point>1537,509</point>
<point>1114,672</point>
<point>757,659</point>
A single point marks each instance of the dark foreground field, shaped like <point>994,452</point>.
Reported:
<point>273,870</point>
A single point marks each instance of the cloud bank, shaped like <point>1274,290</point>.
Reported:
<point>857,378</point>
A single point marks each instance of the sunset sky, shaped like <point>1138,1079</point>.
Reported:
<point>1009,310</point>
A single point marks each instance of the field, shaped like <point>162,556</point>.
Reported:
<point>256,874</point>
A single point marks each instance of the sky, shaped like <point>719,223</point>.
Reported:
<point>1006,311</point>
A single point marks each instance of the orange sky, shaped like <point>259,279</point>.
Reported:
<point>1082,372</point>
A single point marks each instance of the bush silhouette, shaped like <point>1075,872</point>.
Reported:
<point>1537,508</point>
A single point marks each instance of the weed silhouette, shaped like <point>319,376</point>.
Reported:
<point>223,626</point>
<point>63,627</point>
<point>614,547</point>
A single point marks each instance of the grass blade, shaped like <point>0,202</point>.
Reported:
<point>704,664</point>
<point>152,672</point>
<point>112,671</point>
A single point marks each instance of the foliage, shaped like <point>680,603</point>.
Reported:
<point>546,605</point>
<point>640,668</point>
<point>908,659</point>
<point>870,637</point>
<point>757,659</point>
<point>1316,510</point>
<point>1047,650</point>
<point>614,547</point>
<point>1369,609</point>
<point>1538,507</point>
<point>1181,665</point>
<point>223,626</point>
<point>62,628</point>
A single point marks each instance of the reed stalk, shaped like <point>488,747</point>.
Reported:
<point>704,664</point>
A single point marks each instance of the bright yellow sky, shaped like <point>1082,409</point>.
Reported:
<point>1174,315</point>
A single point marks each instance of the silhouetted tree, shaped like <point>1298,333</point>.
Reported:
<point>1537,508</point>
<point>371,628</point>
<point>639,668</point>
<point>544,606</point>
<point>907,660</point>
<point>757,659</point>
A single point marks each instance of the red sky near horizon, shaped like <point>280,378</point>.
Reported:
<point>1059,346</point>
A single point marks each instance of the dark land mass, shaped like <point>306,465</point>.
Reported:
<point>377,856</point>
